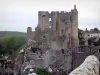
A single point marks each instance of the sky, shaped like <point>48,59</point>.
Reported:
<point>17,15</point>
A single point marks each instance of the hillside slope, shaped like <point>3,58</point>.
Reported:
<point>5,33</point>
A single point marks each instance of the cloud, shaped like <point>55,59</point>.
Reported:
<point>19,14</point>
<point>90,24</point>
<point>18,21</point>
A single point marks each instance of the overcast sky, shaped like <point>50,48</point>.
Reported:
<point>17,15</point>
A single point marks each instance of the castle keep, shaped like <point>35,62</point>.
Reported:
<point>59,28</point>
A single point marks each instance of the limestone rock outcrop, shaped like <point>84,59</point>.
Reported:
<point>89,67</point>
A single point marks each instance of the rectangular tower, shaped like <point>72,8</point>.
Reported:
<point>43,19</point>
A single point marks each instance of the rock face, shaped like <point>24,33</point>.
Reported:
<point>43,57</point>
<point>54,59</point>
<point>89,67</point>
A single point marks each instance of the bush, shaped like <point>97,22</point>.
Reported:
<point>92,41</point>
<point>42,71</point>
<point>10,43</point>
<point>80,37</point>
<point>38,71</point>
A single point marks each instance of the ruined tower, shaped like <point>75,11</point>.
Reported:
<point>74,26</point>
<point>60,23</point>
<point>29,33</point>
<point>54,22</point>
<point>43,19</point>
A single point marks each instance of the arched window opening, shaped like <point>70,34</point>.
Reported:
<point>49,19</point>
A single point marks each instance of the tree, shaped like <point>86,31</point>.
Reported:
<point>80,37</point>
<point>96,29</point>
<point>11,42</point>
<point>92,41</point>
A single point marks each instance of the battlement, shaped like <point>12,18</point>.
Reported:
<point>58,12</point>
<point>43,13</point>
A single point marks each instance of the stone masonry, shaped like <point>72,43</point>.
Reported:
<point>57,24</point>
<point>53,37</point>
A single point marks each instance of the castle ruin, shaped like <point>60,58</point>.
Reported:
<point>53,38</point>
<point>59,27</point>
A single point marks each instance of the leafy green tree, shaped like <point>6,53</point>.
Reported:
<point>11,42</point>
<point>80,37</point>
<point>41,71</point>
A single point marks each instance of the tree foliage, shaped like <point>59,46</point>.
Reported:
<point>11,42</point>
<point>42,71</point>
<point>80,37</point>
<point>96,29</point>
<point>92,41</point>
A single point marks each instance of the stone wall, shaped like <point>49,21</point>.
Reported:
<point>43,19</point>
<point>30,33</point>
<point>81,52</point>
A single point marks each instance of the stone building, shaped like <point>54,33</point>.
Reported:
<point>52,39</point>
<point>93,33</point>
<point>57,25</point>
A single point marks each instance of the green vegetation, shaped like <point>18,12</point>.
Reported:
<point>38,71</point>
<point>10,42</point>
<point>42,71</point>
<point>94,41</point>
<point>80,37</point>
<point>5,33</point>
